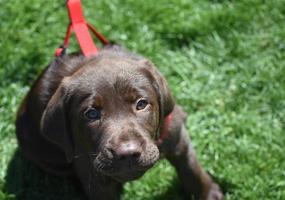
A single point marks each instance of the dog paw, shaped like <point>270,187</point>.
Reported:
<point>215,193</point>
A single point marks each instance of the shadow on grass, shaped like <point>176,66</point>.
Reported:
<point>26,182</point>
<point>226,186</point>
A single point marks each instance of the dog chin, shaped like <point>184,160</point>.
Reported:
<point>128,176</point>
<point>124,175</point>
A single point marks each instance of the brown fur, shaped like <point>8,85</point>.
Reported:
<point>54,133</point>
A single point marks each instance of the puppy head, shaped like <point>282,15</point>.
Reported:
<point>111,110</point>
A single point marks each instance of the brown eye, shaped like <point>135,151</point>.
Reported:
<point>141,104</point>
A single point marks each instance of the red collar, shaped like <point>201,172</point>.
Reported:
<point>80,26</point>
<point>165,128</point>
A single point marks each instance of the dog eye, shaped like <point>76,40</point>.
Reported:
<point>93,114</point>
<point>141,104</point>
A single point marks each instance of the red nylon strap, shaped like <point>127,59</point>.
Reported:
<point>80,26</point>
<point>165,129</point>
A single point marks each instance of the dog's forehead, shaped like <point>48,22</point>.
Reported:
<point>110,74</point>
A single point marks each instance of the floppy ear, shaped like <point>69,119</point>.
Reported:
<point>165,98</point>
<point>54,122</point>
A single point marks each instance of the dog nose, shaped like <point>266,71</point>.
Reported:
<point>128,150</point>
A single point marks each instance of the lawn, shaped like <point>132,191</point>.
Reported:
<point>225,63</point>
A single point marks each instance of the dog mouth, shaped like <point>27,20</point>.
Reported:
<point>126,169</point>
<point>124,175</point>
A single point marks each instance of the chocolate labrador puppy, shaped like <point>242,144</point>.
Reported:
<point>100,119</point>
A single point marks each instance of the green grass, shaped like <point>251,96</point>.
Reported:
<point>224,60</point>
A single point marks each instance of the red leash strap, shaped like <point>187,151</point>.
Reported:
<point>165,129</point>
<point>80,26</point>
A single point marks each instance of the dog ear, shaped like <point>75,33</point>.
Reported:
<point>54,124</point>
<point>165,98</point>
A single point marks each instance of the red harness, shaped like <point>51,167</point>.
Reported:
<point>165,128</point>
<point>80,27</point>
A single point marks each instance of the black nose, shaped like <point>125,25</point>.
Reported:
<point>128,150</point>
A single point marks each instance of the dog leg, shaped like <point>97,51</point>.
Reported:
<point>179,151</point>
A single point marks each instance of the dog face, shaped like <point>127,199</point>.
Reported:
<point>110,110</point>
